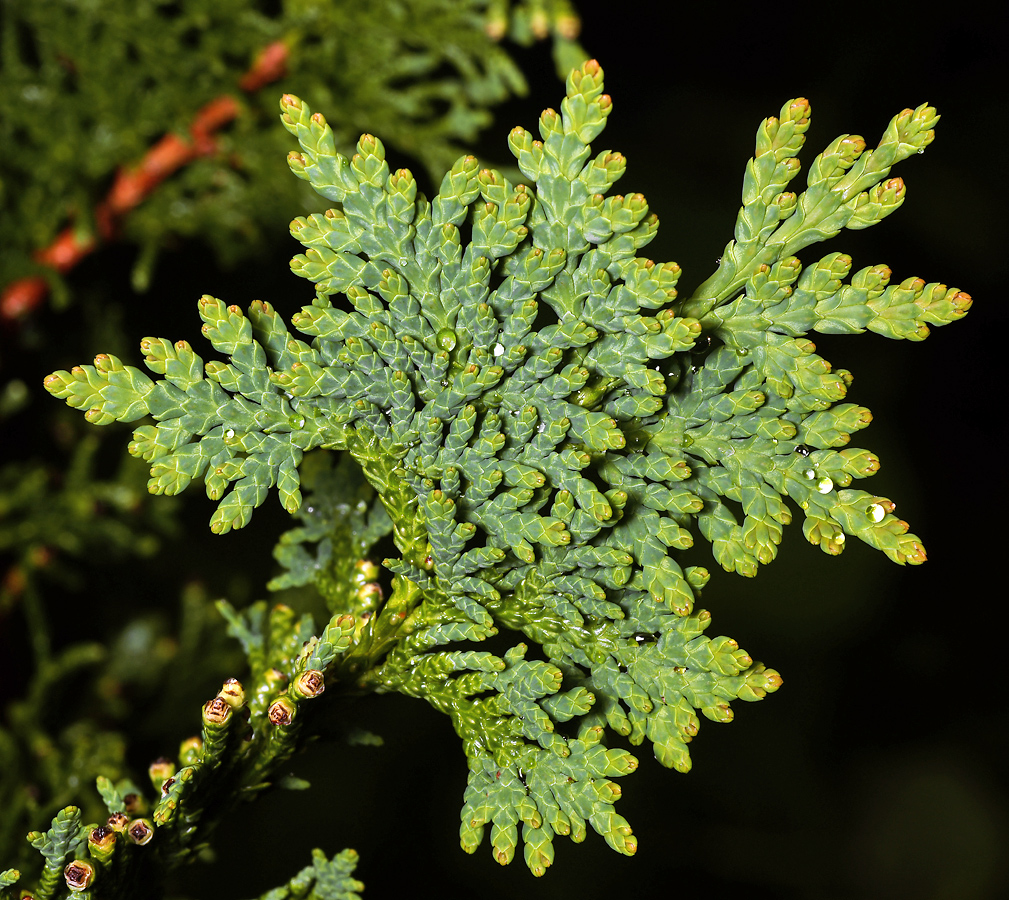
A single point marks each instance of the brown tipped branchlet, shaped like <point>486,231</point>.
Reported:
<point>172,792</point>
<point>79,875</point>
<point>102,843</point>
<point>118,822</point>
<point>140,831</point>
<point>308,684</point>
<point>281,712</point>
<point>160,770</point>
<point>217,716</point>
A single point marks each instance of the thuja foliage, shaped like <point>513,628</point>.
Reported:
<point>524,406</point>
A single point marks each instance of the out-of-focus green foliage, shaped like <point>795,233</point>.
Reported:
<point>88,88</point>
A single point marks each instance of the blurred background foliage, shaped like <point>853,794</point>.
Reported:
<point>878,771</point>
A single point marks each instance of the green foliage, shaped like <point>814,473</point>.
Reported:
<point>536,422</point>
<point>423,72</point>
<point>323,880</point>
<point>46,519</point>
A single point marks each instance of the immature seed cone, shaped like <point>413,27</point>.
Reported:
<point>281,711</point>
<point>79,874</point>
<point>190,751</point>
<point>369,596</point>
<point>308,684</point>
<point>232,693</point>
<point>102,842</point>
<point>160,770</point>
<point>118,822</point>
<point>140,831</point>
<point>364,571</point>
<point>216,712</point>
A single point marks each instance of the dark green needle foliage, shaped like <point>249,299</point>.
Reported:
<point>115,76</point>
<point>522,403</point>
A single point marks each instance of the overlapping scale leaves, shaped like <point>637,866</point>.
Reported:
<point>226,423</point>
<point>512,368</point>
<point>544,424</point>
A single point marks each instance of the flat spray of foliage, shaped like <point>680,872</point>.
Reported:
<point>525,406</point>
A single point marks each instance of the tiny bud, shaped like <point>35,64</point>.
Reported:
<point>281,712</point>
<point>190,751</point>
<point>232,693</point>
<point>79,874</point>
<point>118,822</point>
<point>567,25</point>
<point>160,770</point>
<point>365,570</point>
<point>140,831</point>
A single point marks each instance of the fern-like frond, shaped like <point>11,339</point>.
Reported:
<point>542,426</point>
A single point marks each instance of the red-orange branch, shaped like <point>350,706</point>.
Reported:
<point>132,186</point>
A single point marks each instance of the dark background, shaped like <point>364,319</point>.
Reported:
<point>877,770</point>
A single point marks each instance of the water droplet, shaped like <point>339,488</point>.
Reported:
<point>702,345</point>
<point>230,433</point>
<point>499,349</point>
<point>802,450</point>
<point>825,485</point>
<point>447,339</point>
<point>718,261</point>
<point>810,474</point>
<point>875,512</point>
<point>921,150</point>
<point>541,427</point>
<point>402,260</point>
<point>839,537</point>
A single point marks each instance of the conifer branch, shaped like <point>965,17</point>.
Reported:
<point>525,408</point>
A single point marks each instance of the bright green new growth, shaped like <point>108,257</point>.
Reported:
<point>544,425</point>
